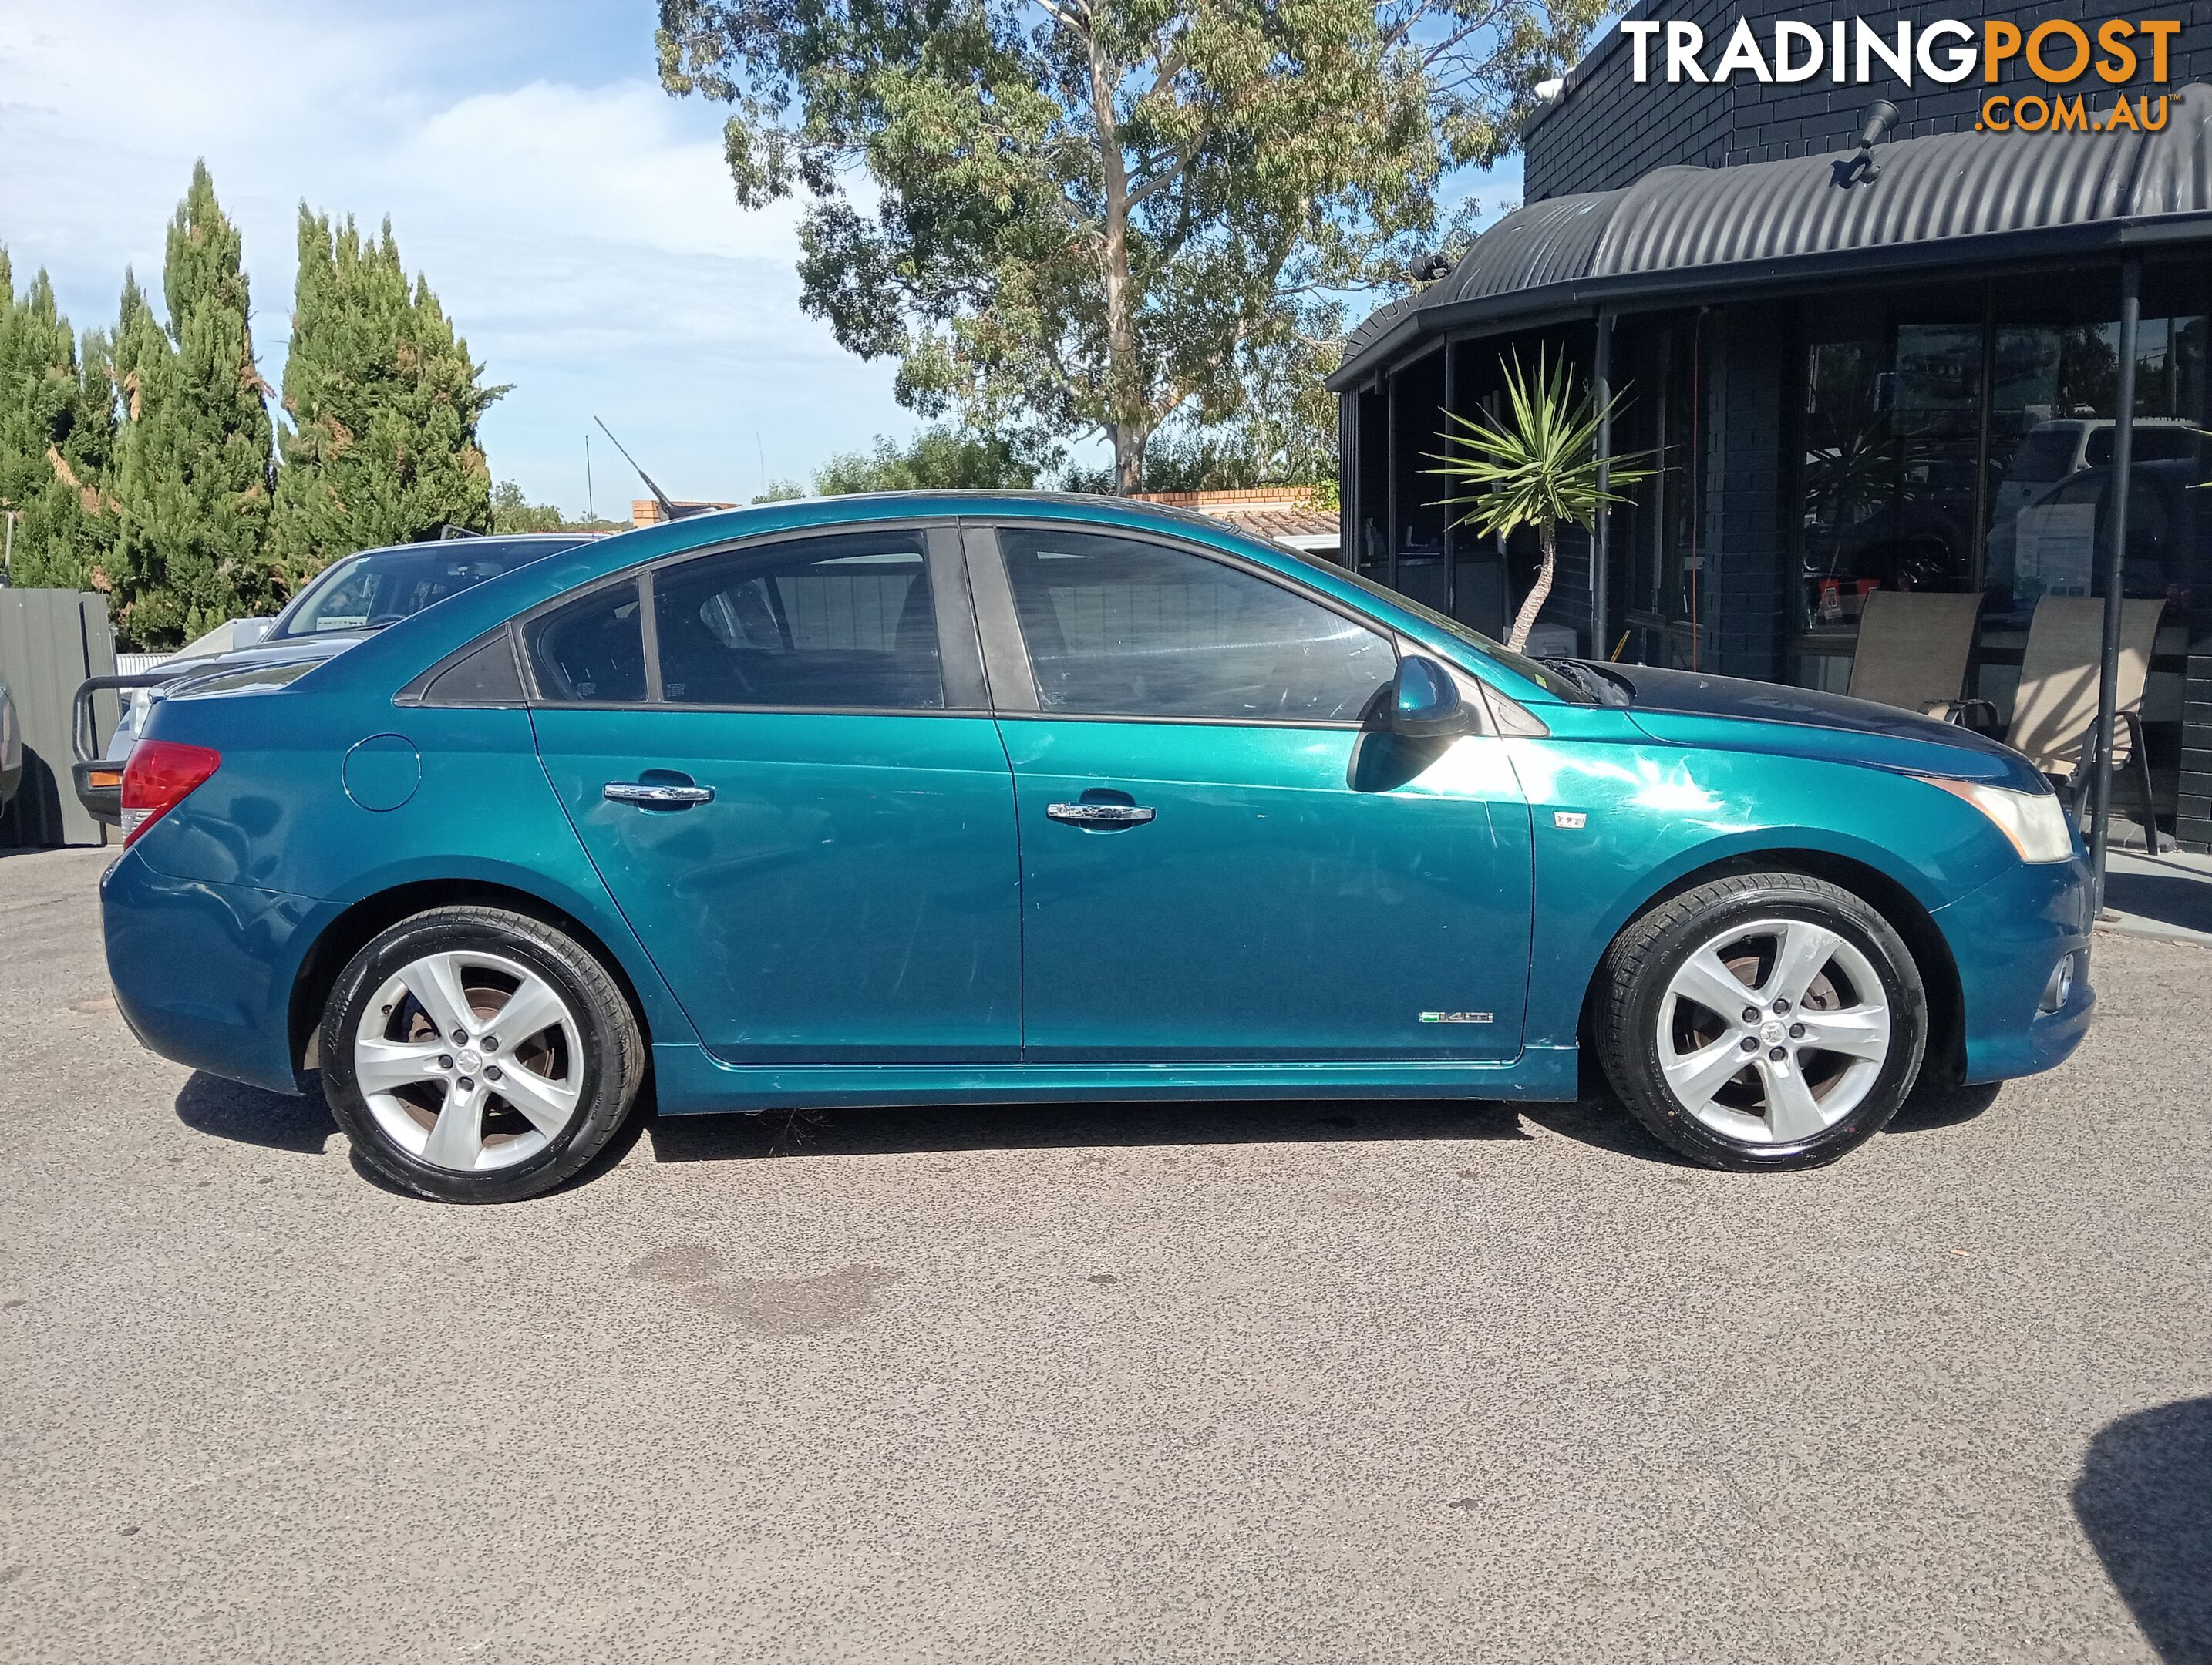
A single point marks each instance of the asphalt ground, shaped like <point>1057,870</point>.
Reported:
<point>1241,1382</point>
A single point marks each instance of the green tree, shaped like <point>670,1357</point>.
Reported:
<point>384,402</point>
<point>513,512</point>
<point>193,456</point>
<point>1084,215</point>
<point>54,439</point>
<point>1535,466</point>
<point>935,459</point>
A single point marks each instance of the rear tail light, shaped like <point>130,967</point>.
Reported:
<point>159,775</point>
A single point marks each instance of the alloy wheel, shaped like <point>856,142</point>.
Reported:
<point>470,1061</point>
<point>1772,1032</point>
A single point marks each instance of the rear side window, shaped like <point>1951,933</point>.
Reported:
<point>485,677</point>
<point>1117,626</point>
<point>2165,445</point>
<point>591,651</point>
<point>823,623</point>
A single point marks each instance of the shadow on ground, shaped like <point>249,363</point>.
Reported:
<point>2175,897</point>
<point>2145,1500</point>
<point>900,1132</point>
<point>250,1115</point>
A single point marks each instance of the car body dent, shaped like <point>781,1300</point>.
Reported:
<point>485,813</point>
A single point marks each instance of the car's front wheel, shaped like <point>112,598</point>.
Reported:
<point>1770,1020</point>
<point>473,1055</point>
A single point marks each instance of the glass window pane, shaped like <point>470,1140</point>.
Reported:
<point>1119,627</point>
<point>591,650</point>
<point>2052,431</point>
<point>823,623</point>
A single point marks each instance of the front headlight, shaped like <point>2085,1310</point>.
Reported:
<point>2035,822</point>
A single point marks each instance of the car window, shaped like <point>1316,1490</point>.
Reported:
<point>821,623</point>
<point>382,586</point>
<point>2165,445</point>
<point>2043,456</point>
<point>593,650</point>
<point>1117,626</point>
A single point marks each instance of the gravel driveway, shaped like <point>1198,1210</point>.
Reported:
<point>1297,1382</point>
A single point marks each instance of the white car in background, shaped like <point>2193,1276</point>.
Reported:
<point>349,601</point>
<point>2059,449</point>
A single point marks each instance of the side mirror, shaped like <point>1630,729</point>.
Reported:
<point>1425,700</point>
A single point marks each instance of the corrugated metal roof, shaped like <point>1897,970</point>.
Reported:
<point>1946,199</point>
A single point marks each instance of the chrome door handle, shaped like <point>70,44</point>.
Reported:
<point>1099,815</point>
<point>655,796</point>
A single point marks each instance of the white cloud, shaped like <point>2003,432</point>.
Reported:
<point>578,228</point>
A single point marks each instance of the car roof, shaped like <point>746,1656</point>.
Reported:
<point>474,541</point>
<point>982,503</point>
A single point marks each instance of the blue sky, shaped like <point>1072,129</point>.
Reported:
<point>576,222</point>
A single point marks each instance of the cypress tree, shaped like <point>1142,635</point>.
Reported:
<point>384,403</point>
<point>193,454</point>
<point>54,437</point>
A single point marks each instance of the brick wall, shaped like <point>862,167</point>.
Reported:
<point>1607,130</point>
<point>2193,813</point>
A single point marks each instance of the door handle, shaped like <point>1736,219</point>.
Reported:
<point>1099,815</point>
<point>656,795</point>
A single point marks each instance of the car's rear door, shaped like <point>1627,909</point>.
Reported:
<point>780,757</point>
<point>1219,862</point>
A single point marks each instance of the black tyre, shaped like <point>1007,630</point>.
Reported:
<point>1771,1020</point>
<point>472,1055</point>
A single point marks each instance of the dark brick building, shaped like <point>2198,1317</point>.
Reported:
<point>1894,371</point>
<point>1607,131</point>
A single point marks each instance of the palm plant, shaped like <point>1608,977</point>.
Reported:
<point>1537,467</point>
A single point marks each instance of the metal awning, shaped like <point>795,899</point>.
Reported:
<point>1956,201</point>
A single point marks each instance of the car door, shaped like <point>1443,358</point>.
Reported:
<point>1218,861</point>
<point>778,756</point>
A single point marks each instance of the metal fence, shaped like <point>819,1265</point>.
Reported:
<point>50,641</point>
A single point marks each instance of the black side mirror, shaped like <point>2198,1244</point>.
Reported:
<point>1425,700</point>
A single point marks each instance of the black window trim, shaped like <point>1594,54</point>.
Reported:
<point>960,663</point>
<point>1013,678</point>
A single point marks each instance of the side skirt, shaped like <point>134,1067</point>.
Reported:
<point>690,1082</point>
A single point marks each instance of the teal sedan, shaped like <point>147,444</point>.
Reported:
<point>964,798</point>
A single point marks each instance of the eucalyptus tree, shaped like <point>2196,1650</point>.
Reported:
<point>1086,216</point>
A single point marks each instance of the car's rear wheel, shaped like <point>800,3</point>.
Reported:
<point>473,1055</point>
<point>1771,1020</point>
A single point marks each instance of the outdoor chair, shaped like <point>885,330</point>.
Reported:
<point>2054,714</point>
<point>1913,649</point>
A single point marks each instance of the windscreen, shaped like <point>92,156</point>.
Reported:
<point>378,587</point>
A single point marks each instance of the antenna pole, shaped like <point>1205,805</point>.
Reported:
<point>668,510</point>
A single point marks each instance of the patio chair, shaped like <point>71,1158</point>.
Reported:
<point>1913,649</point>
<point>2054,714</point>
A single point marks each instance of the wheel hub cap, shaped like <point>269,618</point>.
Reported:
<point>431,1097</point>
<point>1772,1032</point>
